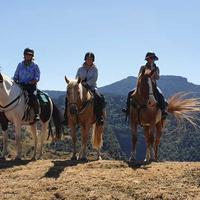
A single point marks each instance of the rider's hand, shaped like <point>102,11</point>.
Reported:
<point>33,82</point>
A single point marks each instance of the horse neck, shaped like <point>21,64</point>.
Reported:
<point>84,93</point>
<point>8,90</point>
<point>142,99</point>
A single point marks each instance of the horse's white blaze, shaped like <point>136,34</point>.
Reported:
<point>152,99</point>
<point>81,91</point>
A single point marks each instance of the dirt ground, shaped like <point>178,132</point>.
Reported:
<point>96,180</point>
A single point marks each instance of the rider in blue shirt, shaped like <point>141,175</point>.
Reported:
<point>27,75</point>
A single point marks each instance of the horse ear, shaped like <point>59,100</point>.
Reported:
<point>66,80</point>
<point>79,80</point>
<point>1,78</point>
<point>142,72</point>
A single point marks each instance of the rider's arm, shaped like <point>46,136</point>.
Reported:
<point>16,75</point>
<point>78,74</point>
<point>141,69</point>
<point>156,74</point>
<point>37,73</point>
<point>93,79</point>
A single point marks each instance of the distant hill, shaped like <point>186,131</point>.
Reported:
<point>168,84</point>
<point>54,93</point>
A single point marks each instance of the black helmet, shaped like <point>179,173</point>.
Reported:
<point>151,55</point>
<point>29,51</point>
<point>89,55</point>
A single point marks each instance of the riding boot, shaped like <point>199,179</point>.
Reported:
<point>36,109</point>
<point>65,121</point>
<point>162,103</point>
<point>128,102</point>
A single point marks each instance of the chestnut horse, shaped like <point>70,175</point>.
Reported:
<point>145,112</point>
<point>80,112</point>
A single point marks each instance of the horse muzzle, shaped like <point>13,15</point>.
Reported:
<point>73,110</point>
<point>152,101</point>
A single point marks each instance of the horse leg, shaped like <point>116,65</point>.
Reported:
<point>158,136</point>
<point>74,139</point>
<point>18,140</point>
<point>134,141</point>
<point>5,145</point>
<point>35,137</point>
<point>43,133</point>
<point>84,139</point>
<point>148,144</point>
<point>97,140</point>
<point>151,140</point>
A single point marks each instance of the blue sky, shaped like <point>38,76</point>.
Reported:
<point>118,32</point>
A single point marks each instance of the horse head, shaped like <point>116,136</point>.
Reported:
<point>1,78</point>
<point>145,86</point>
<point>74,95</point>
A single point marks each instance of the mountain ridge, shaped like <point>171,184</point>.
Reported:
<point>169,84</point>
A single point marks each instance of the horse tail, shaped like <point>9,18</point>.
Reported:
<point>50,132</point>
<point>57,120</point>
<point>97,136</point>
<point>184,109</point>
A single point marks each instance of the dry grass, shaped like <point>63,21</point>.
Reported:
<point>96,180</point>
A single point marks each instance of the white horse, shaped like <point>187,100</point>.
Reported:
<point>14,104</point>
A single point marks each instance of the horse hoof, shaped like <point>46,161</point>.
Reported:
<point>2,159</point>
<point>83,159</point>
<point>99,158</point>
<point>74,158</point>
<point>17,159</point>
<point>147,161</point>
<point>33,159</point>
<point>132,160</point>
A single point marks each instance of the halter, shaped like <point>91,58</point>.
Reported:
<point>139,106</point>
<point>83,108</point>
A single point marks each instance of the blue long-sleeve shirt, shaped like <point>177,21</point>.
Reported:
<point>89,74</point>
<point>25,74</point>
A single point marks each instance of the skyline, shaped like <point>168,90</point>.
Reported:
<point>119,33</point>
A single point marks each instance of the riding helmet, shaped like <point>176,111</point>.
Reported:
<point>29,51</point>
<point>89,55</point>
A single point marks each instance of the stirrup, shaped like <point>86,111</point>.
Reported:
<point>124,110</point>
<point>164,114</point>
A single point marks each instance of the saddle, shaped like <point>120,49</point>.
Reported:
<point>44,106</point>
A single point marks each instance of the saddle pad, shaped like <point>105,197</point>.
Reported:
<point>42,97</point>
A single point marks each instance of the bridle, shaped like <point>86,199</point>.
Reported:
<point>139,106</point>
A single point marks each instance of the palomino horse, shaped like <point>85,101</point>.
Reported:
<point>14,104</point>
<point>80,112</point>
<point>145,112</point>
